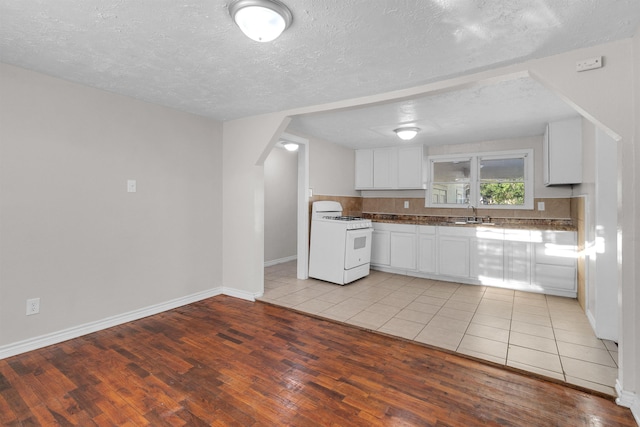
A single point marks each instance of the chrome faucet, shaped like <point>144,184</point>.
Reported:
<point>475,212</point>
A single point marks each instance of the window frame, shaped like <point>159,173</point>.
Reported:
<point>474,177</point>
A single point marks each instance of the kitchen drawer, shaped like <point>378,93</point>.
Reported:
<point>457,231</point>
<point>402,228</point>
<point>515,235</point>
<point>427,229</point>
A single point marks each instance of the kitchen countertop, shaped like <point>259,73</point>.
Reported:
<point>514,223</point>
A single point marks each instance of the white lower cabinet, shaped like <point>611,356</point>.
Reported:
<point>528,260</point>
<point>403,250</point>
<point>555,262</point>
<point>394,245</point>
<point>487,256</point>
<point>517,259</point>
<point>453,251</point>
<point>555,277</point>
<point>380,247</point>
<point>427,249</point>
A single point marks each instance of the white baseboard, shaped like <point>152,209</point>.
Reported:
<point>87,328</point>
<point>236,293</point>
<point>629,400</point>
<point>280,261</point>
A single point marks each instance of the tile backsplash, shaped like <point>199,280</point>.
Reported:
<point>555,208</point>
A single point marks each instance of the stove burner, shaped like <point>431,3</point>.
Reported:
<point>343,218</point>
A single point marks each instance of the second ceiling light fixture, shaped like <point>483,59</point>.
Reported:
<point>407,133</point>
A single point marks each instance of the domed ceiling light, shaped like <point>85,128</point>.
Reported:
<point>290,146</point>
<point>407,133</point>
<point>261,20</point>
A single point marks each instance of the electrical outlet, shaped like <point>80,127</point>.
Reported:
<point>540,206</point>
<point>131,186</point>
<point>33,306</point>
<point>406,204</point>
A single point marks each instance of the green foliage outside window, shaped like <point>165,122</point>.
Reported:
<point>502,193</point>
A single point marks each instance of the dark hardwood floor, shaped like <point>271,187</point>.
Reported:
<point>225,361</point>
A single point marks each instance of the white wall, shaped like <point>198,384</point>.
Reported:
<point>71,235</point>
<point>246,145</point>
<point>630,316</point>
<point>331,168</point>
<point>280,204</point>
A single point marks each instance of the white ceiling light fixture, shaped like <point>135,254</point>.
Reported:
<point>290,146</point>
<point>261,20</point>
<point>407,133</point>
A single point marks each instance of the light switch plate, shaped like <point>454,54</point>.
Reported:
<point>131,186</point>
<point>540,206</point>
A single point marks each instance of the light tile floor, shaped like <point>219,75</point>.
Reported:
<point>543,334</point>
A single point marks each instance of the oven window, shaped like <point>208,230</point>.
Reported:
<point>359,242</point>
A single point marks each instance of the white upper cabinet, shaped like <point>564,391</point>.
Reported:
<point>410,167</point>
<point>562,152</point>
<point>364,169</point>
<point>385,168</point>
<point>389,168</point>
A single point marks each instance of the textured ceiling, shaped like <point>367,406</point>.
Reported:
<point>189,55</point>
<point>508,109</point>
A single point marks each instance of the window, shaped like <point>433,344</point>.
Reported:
<point>501,180</point>
<point>451,182</point>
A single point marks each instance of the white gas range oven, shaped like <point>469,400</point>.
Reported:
<point>340,245</point>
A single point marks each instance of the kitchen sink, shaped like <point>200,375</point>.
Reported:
<point>472,221</point>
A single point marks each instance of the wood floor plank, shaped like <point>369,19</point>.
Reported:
<point>229,362</point>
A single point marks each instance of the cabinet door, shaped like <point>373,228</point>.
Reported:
<point>555,277</point>
<point>487,261</point>
<point>427,253</point>
<point>454,256</point>
<point>385,168</point>
<point>517,270</point>
<point>403,250</point>
<point>557,248</point>
<point>410,167</point>
<point>380,247</point>
<point>555,262</point>
<point>364,169</point>
<point>562,152</point>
